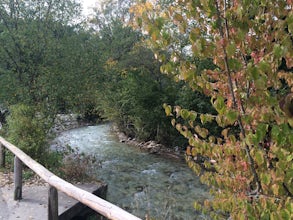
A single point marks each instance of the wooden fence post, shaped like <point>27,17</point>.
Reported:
<point>52,203</point>
<point>17,178</point>
<point>2,156</point>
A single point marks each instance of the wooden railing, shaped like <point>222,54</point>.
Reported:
<point>99,205</point>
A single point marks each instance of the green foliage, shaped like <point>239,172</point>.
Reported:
<point>133,98</point>
<point>250,45</point>
<point>27,129</point>
<point>132,90</point>
<point>43,55</point>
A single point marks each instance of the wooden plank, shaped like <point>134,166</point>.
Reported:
<point>80,211</point>
<point>17,178</point>
<point>2,156</point>
<point>52,204</point>
<point>101,206</point>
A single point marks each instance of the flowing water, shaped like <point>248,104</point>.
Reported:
<point>138,182</point>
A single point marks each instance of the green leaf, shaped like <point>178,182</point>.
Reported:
<point>219,104</point>
<point>204,118</point>
<point>289,158</point>
<point>184,114</point>
<point>231,117</point>
<point>261,132</point>
<point>192,115</point>
<point>197,206</point>
<point>168,109</point>
<point>265,178</point>
<point>259,157</point>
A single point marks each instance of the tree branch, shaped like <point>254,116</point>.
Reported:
<point>231,89</point>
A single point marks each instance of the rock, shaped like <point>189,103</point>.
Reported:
<point>150,146</point>
<point>64,122</point>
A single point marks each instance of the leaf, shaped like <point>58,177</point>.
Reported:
<point>168,109</point>
<point>184,114</point>
<point>173,122</point>
<point>201,131</point>
<point>275,189</point>
<point>265,178</point>
<point>197,206</point>
<point>225,133</point>
<point>192,115</point>
<point>273,216</point>
<point>177,109</point>
<point>205,118</point>
<point>219,105</point>
<point>231,117</point>
<point>261,132</point>
<point>259,157</point>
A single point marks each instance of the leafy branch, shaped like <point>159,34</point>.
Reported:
<point>230,83</point>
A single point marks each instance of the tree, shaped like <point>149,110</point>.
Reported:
<point>249,164</point>
<point>41,52</point>
<point>132,89</point>
<point>29,42</point>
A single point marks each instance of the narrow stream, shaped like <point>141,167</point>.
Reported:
<point>138,182</point>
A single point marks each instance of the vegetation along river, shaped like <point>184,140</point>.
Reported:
<point>142,183</point>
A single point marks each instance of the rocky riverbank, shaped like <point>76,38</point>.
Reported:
<point>150,146</point>
<point>65,122</point>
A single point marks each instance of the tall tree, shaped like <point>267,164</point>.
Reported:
<point>250,43</point>
<point>44,62</point>
<point>133,90</point>
<point>30,33</point>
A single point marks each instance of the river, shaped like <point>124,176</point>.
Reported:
<point>141,183</point>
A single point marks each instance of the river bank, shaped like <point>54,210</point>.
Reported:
<point>149,146</point>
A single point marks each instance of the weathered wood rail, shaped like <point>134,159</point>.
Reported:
<point>99,205</point>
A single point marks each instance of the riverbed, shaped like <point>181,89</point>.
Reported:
<point>141,183</point>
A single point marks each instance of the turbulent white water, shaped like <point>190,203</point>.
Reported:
<point>138,182</point>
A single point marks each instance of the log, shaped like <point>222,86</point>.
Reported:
<point>53,204</point>
<point>17,178</point>
<point>101,206</point>
<point>2,156</point>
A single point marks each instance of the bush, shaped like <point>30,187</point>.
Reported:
<point>27,129</point>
